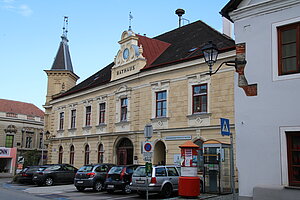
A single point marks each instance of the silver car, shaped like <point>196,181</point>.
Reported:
<point>162,180</point>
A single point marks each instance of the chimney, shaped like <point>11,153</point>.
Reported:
<point>227,27</point>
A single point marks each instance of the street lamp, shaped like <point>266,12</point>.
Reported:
<point>210,53</point>
<point>42,145</point>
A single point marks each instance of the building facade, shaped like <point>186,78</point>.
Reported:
<point>267,125</point>
<point>161,81</point>
<point>21,133</point>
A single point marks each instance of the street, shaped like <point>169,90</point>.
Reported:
<point>61,192</point>
<point>16,191</point>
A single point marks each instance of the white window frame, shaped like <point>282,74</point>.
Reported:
<point>160,87</point>
<point>283,152</point>
<point>274,36</point>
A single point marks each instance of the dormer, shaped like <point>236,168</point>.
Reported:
<point>129,59</point>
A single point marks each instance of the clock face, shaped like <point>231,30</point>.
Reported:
<point>126,54</point>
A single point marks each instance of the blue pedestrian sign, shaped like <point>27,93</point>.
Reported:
<point>225,129</point>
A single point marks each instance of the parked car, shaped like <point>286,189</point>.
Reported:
<point>53,174</point>
<point>162,180</point>
<point>26,175</point>
<point>92,176</point>
<point>119,178</point>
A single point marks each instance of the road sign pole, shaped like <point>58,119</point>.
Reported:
<point>147,197</point>
<point>232,167</point>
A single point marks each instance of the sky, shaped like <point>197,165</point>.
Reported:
<point>30,33</point>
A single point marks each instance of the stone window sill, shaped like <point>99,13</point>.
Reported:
<point>86,127</point>
<point>156,119</point>
<point>201,115</point>
<point>122,123</point>
<point>101,125</point>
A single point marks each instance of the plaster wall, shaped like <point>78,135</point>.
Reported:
<point>260,120</point>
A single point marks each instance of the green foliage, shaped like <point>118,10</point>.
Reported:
<point>31,158</point>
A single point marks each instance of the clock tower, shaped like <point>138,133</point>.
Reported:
<point>129,59</point>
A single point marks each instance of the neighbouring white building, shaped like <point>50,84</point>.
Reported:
<point>268,123</point>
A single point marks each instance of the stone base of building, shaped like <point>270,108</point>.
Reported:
<point>6,175</point>
<point>275,193</point>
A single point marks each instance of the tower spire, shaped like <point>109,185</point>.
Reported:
<point>65,27</point>
<point>130,18</point>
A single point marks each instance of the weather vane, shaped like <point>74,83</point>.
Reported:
<point>65,27</point>
<point>130,18</point>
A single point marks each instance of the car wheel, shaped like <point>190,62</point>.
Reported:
<point>110,191</point>
<point>49,181</point>
<point>127,189</point>
<point>80,189</point>
<point>98,186</point>
<point>166,191</point>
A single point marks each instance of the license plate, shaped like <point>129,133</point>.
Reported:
<point>140,181</point>
<point>110,186</point>
<point>79,181</point>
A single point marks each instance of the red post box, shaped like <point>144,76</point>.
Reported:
<point>189,182</point>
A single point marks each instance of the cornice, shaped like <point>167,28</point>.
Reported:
<point>17,120</point>
<point>262,8</point>
<point>212,127</point>
<point>144,74</point>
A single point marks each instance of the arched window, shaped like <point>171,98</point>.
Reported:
<point>86,154</point>
<point>100,153</point>
<point>72,152</point>
<point>60,155</point>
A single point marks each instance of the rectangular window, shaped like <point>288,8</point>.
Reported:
<point>88,112</point>
<point>200,98</point>
<point>61,120</point>
<point>9,141</point>
<point>289,49</point>
<point>28,142</point>
<point>161,104</point>
<point>101,113</point>
<point>41,141</point>
<point>73,118</point>
<point>293,151</point>
<point>124,105</point>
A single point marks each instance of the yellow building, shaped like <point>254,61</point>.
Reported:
<point>161,81</point>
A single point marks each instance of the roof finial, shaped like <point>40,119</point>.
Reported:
<point>130,18</point>
<point>65,27</point>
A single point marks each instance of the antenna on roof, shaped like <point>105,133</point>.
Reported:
<point>65,27</point>
<point>130,18</point>
<point>181,12</point>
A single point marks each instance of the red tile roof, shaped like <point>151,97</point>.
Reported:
<point>18,107</point>
<point>152,48</point>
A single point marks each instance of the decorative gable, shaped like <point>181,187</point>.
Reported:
<point>129,59</point>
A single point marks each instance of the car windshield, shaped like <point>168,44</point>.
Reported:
<point>140,172</point>
<point>115,170</point>
<point>41,168</point>
<point>32,169</point>
<point>85,168</point>
<point>53,168</point>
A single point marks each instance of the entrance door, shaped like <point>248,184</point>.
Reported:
<point>159,153</point>
<point>124,152</point>
<point>122,156</point>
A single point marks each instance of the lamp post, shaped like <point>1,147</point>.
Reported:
<point>210,53</point>
<point>42,146</point>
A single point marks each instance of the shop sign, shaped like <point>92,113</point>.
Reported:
<point>180,137</point>
<point>4,151</point>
